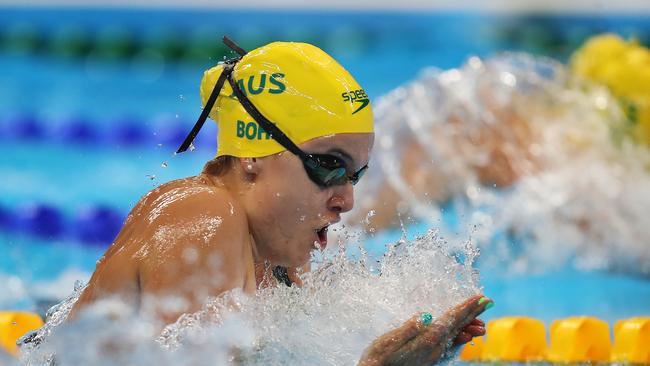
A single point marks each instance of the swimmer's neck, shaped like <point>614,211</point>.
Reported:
<point>230,180</point>
<point>242,190</point>
<point>238,187</point>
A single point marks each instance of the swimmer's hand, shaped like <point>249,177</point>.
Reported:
<point>415,343</point>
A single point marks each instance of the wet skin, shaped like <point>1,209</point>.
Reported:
<point>201,236</point>
<point>415,343</point>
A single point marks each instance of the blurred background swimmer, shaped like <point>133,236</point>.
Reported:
<point>517,143</point>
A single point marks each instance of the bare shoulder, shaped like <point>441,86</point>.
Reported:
<point>193,231</point>
<point>192,209</point>
<point>185,198</point>
<point>178,210</point>
<point>186,234</point>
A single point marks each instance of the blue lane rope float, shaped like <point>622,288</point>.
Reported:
<point>41,220</point>
<point>78,130</point>
<point>123,132</point>
<point>95,224</point>
<point>129,131</point>
<point>22,128</point>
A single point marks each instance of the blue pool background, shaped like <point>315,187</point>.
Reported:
<point>83,137</point>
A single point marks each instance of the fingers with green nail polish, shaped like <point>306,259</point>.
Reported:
<point>424,340</point>
<point>483,300</point>
<point>426,319</point>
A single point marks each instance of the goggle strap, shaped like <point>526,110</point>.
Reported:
<point>233,46</point>
<point>282,275</point>
<point>227,70</point>
<point>267,125</point>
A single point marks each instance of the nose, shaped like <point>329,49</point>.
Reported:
<point>342,199</point>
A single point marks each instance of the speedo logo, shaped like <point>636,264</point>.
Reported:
<point>256,84</point>
<point>358,96</point>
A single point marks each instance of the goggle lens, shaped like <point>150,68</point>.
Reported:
<point>328,170</point>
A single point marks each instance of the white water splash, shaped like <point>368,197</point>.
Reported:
<point>343,305</point>
<point>17,293</point>
<point>572,187</point>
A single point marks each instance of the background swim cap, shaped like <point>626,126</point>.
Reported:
<point>297,86</point>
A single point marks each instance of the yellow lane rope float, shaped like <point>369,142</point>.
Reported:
<point>572,340</point>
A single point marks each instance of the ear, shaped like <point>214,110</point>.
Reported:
<point>251,167</point>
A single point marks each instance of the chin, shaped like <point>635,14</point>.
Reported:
<point>300,260</point>
<point>292,259</point>
<point>293,254</point>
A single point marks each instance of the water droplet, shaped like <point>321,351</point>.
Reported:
<point>164,164</point>
<point>151,176</point>
<point>78,285</point>
<point>181,97</point>
<point>192,147</point>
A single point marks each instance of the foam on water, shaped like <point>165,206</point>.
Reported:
<point>343,305</point>
<point>18,293</point>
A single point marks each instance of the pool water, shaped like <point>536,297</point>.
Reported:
<point>548,295</point>
<point>82,138</point>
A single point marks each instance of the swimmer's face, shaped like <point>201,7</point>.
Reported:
<point>290,209</point>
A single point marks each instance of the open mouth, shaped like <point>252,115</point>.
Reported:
<point>322,236</point>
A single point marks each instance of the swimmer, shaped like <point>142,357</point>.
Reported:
<point>295,135</point>
<point>448,133</point>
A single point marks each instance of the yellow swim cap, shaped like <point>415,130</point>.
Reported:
<point>296,86</point>
<point>623,66</point>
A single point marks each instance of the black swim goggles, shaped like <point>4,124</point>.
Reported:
<point>325,170</point>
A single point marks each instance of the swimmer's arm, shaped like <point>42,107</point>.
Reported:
<point>199,252</point>
<point>111,279</point>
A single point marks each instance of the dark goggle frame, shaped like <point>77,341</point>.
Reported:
<point>330,170</point>
<point>325,170</point>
